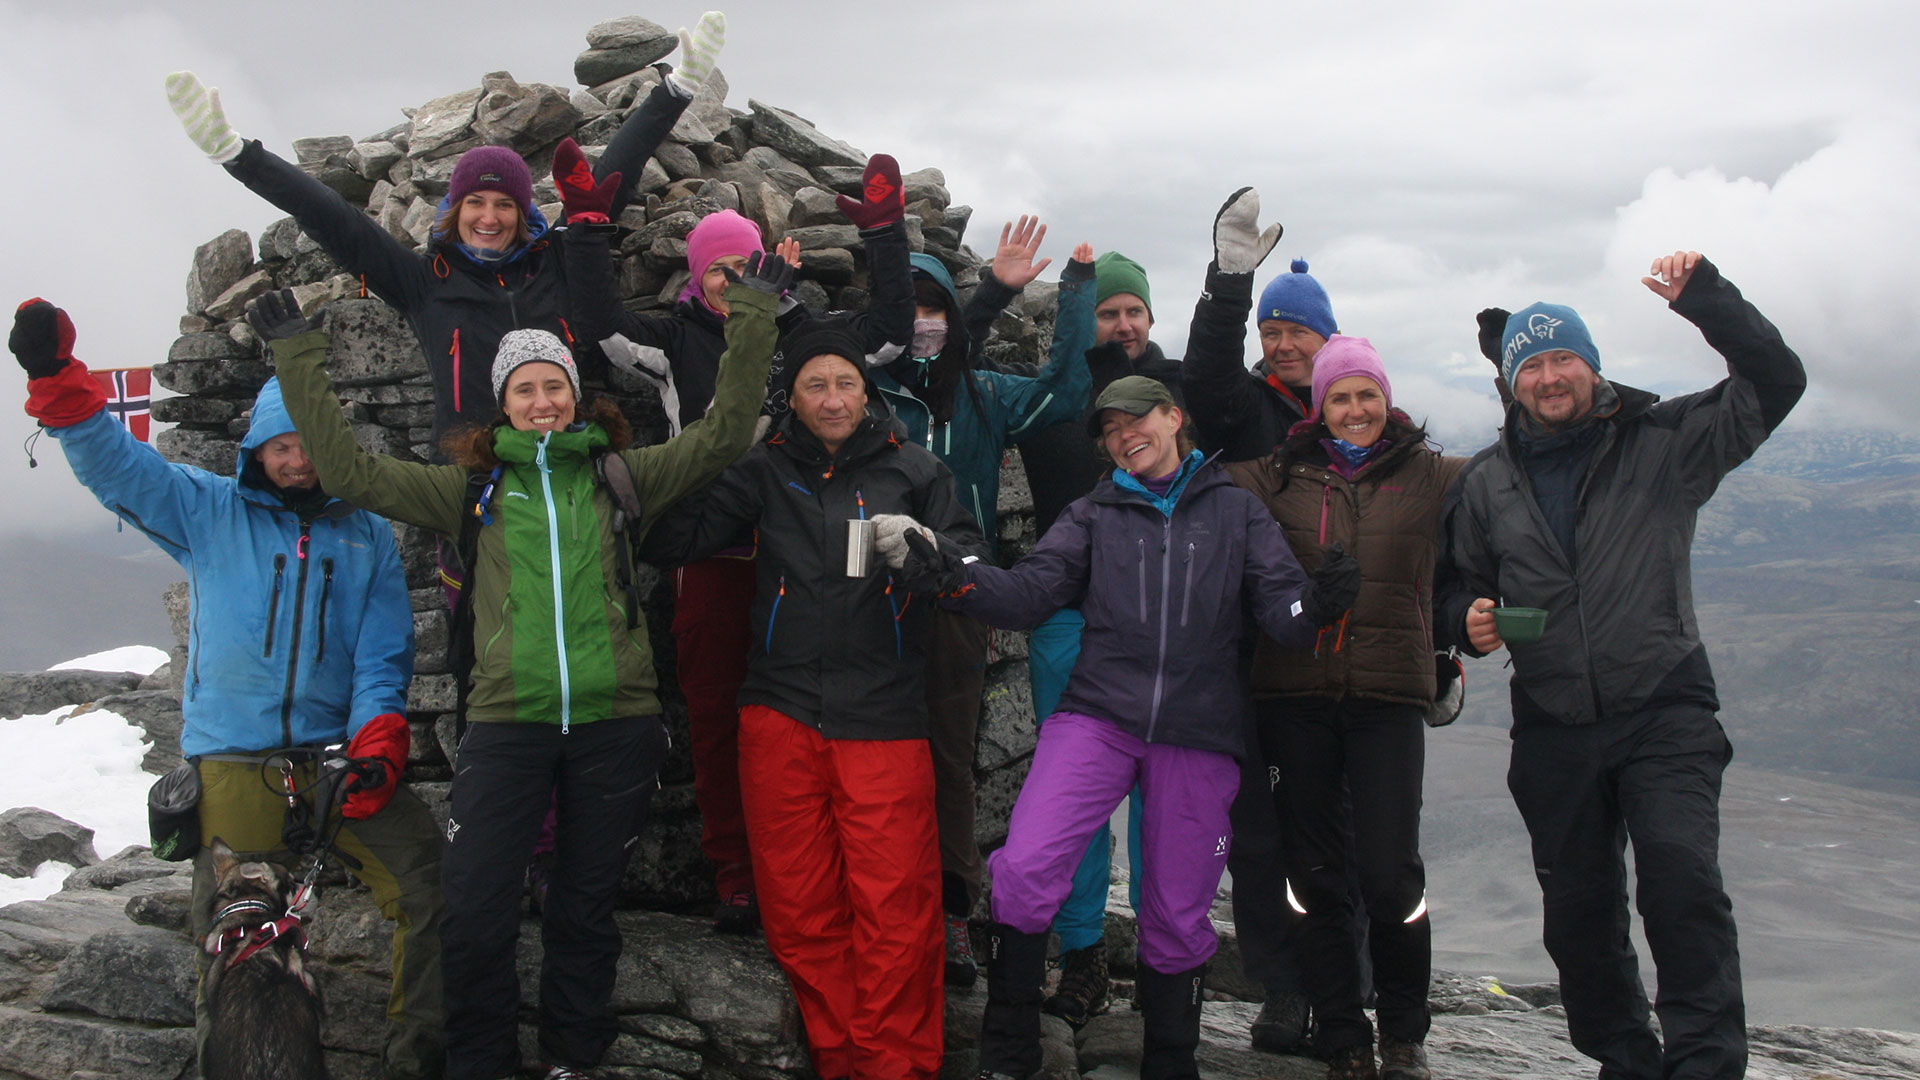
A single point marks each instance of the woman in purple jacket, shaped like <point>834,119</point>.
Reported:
<point>1157,558</point>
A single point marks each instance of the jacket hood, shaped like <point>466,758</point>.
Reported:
<point>933,268</point>
<point>270,421</point>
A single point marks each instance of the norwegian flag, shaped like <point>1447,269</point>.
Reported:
<point>129,397</point>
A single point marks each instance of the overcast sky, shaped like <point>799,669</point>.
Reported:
<point>1427,159</point>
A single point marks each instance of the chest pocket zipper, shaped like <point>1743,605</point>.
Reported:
<point>1186,597</point>
<point>273,605</point>
<point>1140,545</point>
<point>326,592</point>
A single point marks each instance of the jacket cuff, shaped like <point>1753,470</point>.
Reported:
<point>993,291</point>
<point>1223,287</point>
<point>66,397</point>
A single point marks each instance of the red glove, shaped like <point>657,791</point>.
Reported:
<point>582,200</point>
<point>387,738</point>
<point>883,199</point>
<point>60,392</point>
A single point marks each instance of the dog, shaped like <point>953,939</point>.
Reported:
<point>263,1008</point>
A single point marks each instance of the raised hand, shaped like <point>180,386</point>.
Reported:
<point>1493,327</point>
<point>1080,267</point>
<point>882,199</point>
<point>1013,264</point>
<point>766,272</point>
<point>699,53</point>
<point>276,316</point>
<point>1239,244</point>
<point>42,338</point>
<point>789,249</point>
<point>1670,274</point>
<point>582,200</point>
<point>199,111</point>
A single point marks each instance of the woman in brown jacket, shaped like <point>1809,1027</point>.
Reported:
<point>1344,723</point>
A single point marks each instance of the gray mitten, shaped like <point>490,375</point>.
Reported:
<point>1239,246</point>
<point>890,536</point>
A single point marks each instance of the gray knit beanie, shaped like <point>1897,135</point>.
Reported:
<point>521,347</point>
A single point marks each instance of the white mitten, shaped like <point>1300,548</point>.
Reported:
<point>890,537</point>
<point>199,111</point>
<point>1239,245</point>
<point>699,52</point>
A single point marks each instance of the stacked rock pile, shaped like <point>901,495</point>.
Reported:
<point>766,163</point>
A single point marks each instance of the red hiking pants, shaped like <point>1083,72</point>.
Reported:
<point>848,867</point>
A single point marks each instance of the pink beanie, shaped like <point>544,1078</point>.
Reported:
<point>1342,356</point>
<point>717,236</point>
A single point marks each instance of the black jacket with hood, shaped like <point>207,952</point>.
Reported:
<point>1621,635</point>
<point>1237,413</point>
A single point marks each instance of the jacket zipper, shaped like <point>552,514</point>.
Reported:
<point>1031,416</point>
<point>559,608</point>
<point>1186,597</point>
<point>454,351</point>
<point>293,643</point>
<point>1160,661</point>
<point>320,624</point>
<point>273,604</point>
<point>1326,497</point>
<point>979,517</point>
<point>773,613</point>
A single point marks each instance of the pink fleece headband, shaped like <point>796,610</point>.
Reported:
<point>717,236</point>
<point>1342,356</point>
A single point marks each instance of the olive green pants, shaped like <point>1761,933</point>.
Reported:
<point>399,853</point>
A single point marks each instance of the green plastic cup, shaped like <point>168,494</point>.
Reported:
<point>1520,625</point>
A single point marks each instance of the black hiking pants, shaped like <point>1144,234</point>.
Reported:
<point>600,776</point>
<point>1349,804</point>
<point>1653,778</point>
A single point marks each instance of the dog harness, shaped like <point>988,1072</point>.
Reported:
<point>251,941</point>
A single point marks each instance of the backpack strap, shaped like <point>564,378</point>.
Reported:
<point>610,469</point>
<point>476,510</point>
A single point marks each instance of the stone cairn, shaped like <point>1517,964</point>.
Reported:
<point>690,1004</point>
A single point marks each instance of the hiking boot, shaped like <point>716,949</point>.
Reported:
<point>738,913</point>
<point>1352,1063</point>
<point>1170,1022</point>
<point>1403,1060</point>
<point>1281,1027</point>
<point>1082,992</point>
<point>962,969</point>
<point>561,1072</point>
<point>1010,1026</point>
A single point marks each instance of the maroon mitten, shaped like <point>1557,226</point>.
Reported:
<point>882,201</point>
<point>581,199</point>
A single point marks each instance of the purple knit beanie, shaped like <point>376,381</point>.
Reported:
<point>492,168</point>
<point>717,236</point>
<point>1342,356</point>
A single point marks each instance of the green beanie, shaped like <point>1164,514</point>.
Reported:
<point>1114,274</point>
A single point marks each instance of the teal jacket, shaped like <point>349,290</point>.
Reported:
<point>1009,408</point>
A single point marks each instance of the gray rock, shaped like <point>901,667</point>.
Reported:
<point>41,1044</point>
<point>372,159</point>
<point>526,117</point>
<point>630,30</point>
<point>233,302</point>
<point>178,600</point>
<point>1007,730</point>
<point>215,412</point>
<point>799,140</point>
<point>430,641</point>
<point>443,127</point>
<point>370,344</point>
<point>23,692</point>
<point>431,693</point>
<point>828,265</point>
<point>200,449</point>
<point>317,149</point>
<point>815,206</point>
<point>677,160</point>
<point>956,218</point>
<point>217,264</point>
<point>155,712</point>
<point>842,235</point>
<point>842,179</point>
<point>596,66</point>
<point>30,836</point>
<point>926,185</point>
<point>138,974</point>
<point>278,239</point>
<point>166,910</point>
<point>789,177</point>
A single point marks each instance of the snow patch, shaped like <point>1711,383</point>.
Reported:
<point>86,769</point>
<point>144,659</point>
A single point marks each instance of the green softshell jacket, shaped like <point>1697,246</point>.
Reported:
<point>550,637</point>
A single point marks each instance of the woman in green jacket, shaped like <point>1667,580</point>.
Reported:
<point>562,693</point>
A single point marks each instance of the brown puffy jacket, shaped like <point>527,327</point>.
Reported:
<point>1389,519</point>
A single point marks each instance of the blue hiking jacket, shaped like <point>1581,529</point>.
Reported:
<point>301,631</point>
<point>1011,407</point>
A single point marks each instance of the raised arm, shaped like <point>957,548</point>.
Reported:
<point>886,326</point>
<point>426,495</point>
<point>1059,393</point>
<point>130,478</point>
<point>693,458</point>
<point>1013,269</point>
<point>354,240</point>
<point>1220,394</point>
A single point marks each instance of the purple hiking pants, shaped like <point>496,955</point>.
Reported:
<point>1082,769</point>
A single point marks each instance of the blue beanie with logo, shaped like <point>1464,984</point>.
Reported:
<point>1543,328</point>
<point>1296,297</point>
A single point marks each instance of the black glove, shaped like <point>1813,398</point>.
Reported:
<point>766,272</point>
<point>42,338</point>
<point>1333,588</point>
<point>928,569</point>
<point>275,316</point>
<point>1493,327</point>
